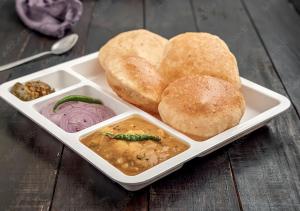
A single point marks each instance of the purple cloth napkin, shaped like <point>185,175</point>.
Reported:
<point>49,17</point>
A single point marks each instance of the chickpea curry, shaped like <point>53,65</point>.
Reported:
<point>134,145</point>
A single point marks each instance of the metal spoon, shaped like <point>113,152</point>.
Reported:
<point>61,46</point>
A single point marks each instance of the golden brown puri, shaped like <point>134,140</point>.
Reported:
<point>201,106</point>
<point>141,43</point>
<point>136,80</point>
<point>194,53</point>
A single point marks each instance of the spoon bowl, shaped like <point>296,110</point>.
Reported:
<point>65,44</point>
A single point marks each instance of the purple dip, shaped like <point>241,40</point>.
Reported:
<point>76,116</point>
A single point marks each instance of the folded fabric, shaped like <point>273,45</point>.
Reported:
<point>49,17</point>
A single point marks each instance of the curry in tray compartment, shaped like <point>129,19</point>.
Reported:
<point>134,145</point>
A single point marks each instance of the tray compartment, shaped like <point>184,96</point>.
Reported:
<point>90,91</point>
<point>120,118</point>
<point>92,70</point>
<point>147,118</point>
<point>58,80</point>
<point>256,103</point>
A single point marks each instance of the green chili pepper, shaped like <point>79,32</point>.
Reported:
<point>133,137</point>
<point>80,98</point>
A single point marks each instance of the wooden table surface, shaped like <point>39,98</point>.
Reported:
<point>257,172</point>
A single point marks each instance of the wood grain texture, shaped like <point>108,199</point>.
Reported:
<point>13,35</point>
<point>265,162</point>
<point>111,17</point>
<point>29,155</point>
<point>202,184</point>
<point>278,24</point>
<point>86,187</point>
<point>80,186</point>
<point>38,173</point>
<point>169,18</point>
<point>29,158</point>
<point>39,43</point>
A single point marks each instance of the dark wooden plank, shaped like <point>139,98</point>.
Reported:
<point>278,24</point>
<point>13,35</point>
<point>29,155</point>
<point>202,184</point>
<point>112,17</point>
<point>265,162</point>
<point>85,186</point>
<point>39,43</point>
<point>169,18</point>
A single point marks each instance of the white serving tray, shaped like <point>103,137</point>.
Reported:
<point>85,76</point>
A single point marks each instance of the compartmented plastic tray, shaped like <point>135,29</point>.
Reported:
<point>85,76</point>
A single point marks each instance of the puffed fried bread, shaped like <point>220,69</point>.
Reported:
<point>201,106</point>
<point>136,80</point>
<point>195,53</point>
<point>141,43</point>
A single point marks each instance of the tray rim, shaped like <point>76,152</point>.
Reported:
<point>149,175</point>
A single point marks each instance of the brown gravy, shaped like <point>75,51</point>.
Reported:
<point>134,157</point>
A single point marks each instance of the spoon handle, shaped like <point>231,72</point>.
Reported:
<point>22,61</point>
